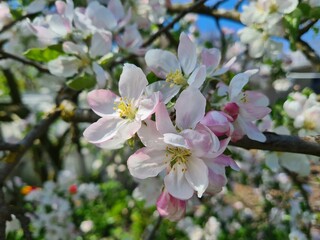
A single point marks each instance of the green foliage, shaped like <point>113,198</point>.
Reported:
<point>84,81</point>
<point>151,77</point>
<point>44,54</point>
<point>292,22</point>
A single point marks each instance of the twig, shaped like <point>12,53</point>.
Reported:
<point>13,158</point>
<point>174,21</point>
<point>13,86</point>
<point>154,229</point>
<point>307,26</point>
<point>238,4</point>
<point>8,146</point>
<point>24,61</point>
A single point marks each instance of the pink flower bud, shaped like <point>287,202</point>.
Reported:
<point>232,109</point>
<point>218,122</point>
<point>171,207</point>
<point>73,189</point>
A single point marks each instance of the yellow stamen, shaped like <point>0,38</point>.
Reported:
<point>178,155</point>
<point>309,124</point>
<point>126,109</point>
<point>176,78</point>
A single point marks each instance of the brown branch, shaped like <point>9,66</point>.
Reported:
<point>307,26</point>
<point>275,142</point>
<point>24,61</point>
<point>13,86</point>
<point>283,143</point>
<point>309,52</point>
<point>4,146</point>
<point>13,158</point>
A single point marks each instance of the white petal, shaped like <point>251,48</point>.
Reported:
<point>190,108</point>
<point>104,129</point>
<point>197,77</point>
<point>163,121</point>
<point>132,82</point>
<point>64,66</point>
<point>176,183</point>
<point>101,75</point>
<point>146,163</point>
<point>116,8</point>
<point>101,43</point>
<point>57,25</point>
<point>272,161</point>
<point>101,17</point>
<point>187,54</point>
<point>239,81</point>
<point>287,6</point>
<point>147,106</point>
<point>150,136</point>
<point>197,175</point>
<point>167,91</point>
<point>102,101</point>
<point>175,140</point>
<point>162,62</point>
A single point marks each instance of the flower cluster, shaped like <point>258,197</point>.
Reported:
<point>264,19</point>
<point>183,145</point>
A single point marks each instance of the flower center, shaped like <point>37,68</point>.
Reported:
<point>309,124</point>
<point>178,155</point>
<point>126,109</point>
<point>176,78</point>
<point>244,98</point>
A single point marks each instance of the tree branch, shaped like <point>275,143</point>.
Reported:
<point>283,143</point>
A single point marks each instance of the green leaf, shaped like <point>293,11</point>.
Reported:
<point>44,54</point>
<point>305,9</point>
<point>106,59</point>
<point>151,77</point>
<point>315,13</point>
<point>82,82</point>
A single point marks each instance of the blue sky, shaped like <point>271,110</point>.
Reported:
<point>207,24</point>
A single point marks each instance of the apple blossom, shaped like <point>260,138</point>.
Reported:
<point>178,72</point>
<point>121,117</point>
<point>245,107</point>
<point>170,207</point>
<point>183,153</point>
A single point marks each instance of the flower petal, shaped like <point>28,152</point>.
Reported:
<point>239,81</point>
<point>163,121</point>
<point>190,112</point>
<point>101,43</point>
<point>197,77</point>
<point>64,66</point>
<point>176,183</point>
<point>150,136</point>
<point>162,62</point>
<point>211,58</point>
<point>146,162</point>
<point>148,106</point>
<point>175,140</point>
<point>104,129</point>
<point>101,75</point>
<point>167,91</point>
<point>132,82</point>
<point>197,175</point>
<point>187,54</point>
<point>102,101</point>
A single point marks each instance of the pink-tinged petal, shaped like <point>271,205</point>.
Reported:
<point>60,6</point>
<point>223,145</point>
<point>190,108</point>
<point>224,68</point>
<point>197,175</point>
<point>45,35</point>
<point>115,6</point>
<point>251,130</point>
<point>150,136</point>
<point>218,123</point>
<point>176,183</point>
<point>102,101</point>
<point>197,77</point>
<point>239,81</point>
<point>69,10</point>
<point>216,181</point>
<point>101,43</point>
<point>124,21</point>
<point>167,91</point>
<point>187,54</point>
<point>101,75</point>
<point>148,106</point>
<point>199,142</point>
<point>225,160</point>
<point>162,62</point>
<point>211,58</point>
<point>132,82</point>
<point>64,66</point>
<point>104,129</point>
<point>170,207</point>
<point>259,99</point>
<point>146,162</point>
<point>251,112</point>
<point>232,109</point>
<point>163,121</point>
<point>175,140</point>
